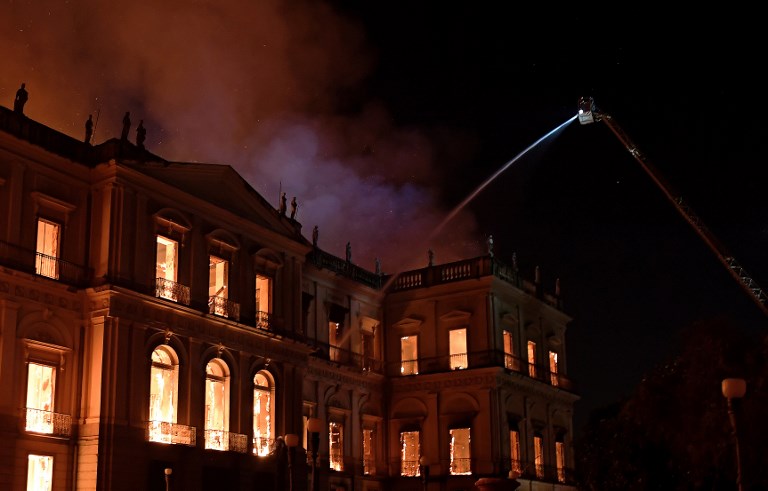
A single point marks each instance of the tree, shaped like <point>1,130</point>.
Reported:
<point>673,432</point>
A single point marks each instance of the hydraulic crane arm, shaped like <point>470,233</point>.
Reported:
<point>588,114</point>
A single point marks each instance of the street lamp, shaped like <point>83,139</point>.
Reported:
<point>424,470</point>
<point>168,471</point>
<point>734,388</point>
<point>314,425</point>
<point>291,441</point>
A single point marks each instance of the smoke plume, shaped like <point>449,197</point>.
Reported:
<point>256,85</point>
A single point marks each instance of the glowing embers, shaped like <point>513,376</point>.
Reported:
<point>39,473</point>
<point>516,464</point>
<point>461,453</point>
<point>410,453</point>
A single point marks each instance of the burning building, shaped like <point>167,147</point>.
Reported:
<point>163,326</point>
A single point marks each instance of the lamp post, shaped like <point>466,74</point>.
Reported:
<point>734,388</point>
<point>314,425</point>
<point>424,470</point>
<point>291,441</point>
<point>168,471</point>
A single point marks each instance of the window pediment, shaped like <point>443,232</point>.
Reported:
<point>43,200</point>
<point>410,323</point>
<point>169,220</point>
<point>456,315</point>
<point>222,241</point>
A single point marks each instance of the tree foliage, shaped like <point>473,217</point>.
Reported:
<point>673,432</point>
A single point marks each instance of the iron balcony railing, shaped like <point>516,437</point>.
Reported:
<point>171,290</point>
<point>461,466</point>
<point>47,422</point>
<point>173,433</point>
<point>323,260</point>
<point>30,261</point>
<point>226,440</point>
<point>481,359</point>
<point>545,473</point>
<point>345,357</point>
<point>264,320</point>
<point>224,307</point>
<point>410,468</point>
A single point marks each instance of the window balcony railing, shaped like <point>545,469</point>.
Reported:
<point>173,433</point>
<point>410,468</point>
<point>47,422</point>
<point>29,261</point>
<point>171,290</point>
<point>369,466</point>
<point>224,307</point>
<point>458,361</point>
<point>461,466</point>
<point>263,446</point>
<point>264,320</point>
<point>345,357</point>
<point>225,440</point>
<point>545,473</point>
<point>409,367</point>
<point>482,359</point>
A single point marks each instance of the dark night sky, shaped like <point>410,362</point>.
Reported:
<point>633,272</point>
<point>402,109</point>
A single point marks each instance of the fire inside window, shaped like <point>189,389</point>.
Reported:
<point>263,294</point>
<point>163,394</point>
<point>216,405</point>
<point>47,248</point>
<point>461,454</point>
<point>39,473</point>
<point>165,266</point>
<point>263,424</point>
<point>410,453</point>
<point>336,445</point>
<point>514,452</point>
<point>509,354</point>
<point>457,346</point>
<point>409,355</point>
<point>369,451</point>
<point>218,277</point>
<point>560,457</point>
<point>553,368</point>
<point>532,359</point>
<point>41,381</point>
<point>538,455</point>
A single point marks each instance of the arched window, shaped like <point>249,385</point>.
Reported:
<point>217,405</point>
<point>263,413</point>
<point>163,394</point>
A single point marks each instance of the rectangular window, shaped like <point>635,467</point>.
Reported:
<point>560,456</point>
<point>514,452</point>
<point>166,258</point>
<point>47,263</point>
<point>336,446</point>
<point>39,473</point>
<point>218,278</point>
<point>509,352</point>
<point>410,453</point>
<point>458,348</point>
<point>532,359</point>
<point>41,381</point>
<point>368,352</point>
<point>461,456</point>
<point>538,456</point>
<point>263,294</point>
<point>409,355</point>
<point>369,451</point>
<point>334,337</point>
<point>553,368</point>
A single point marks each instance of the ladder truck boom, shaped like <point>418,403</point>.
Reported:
<point>589,114</point>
